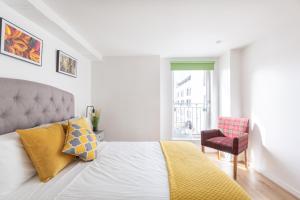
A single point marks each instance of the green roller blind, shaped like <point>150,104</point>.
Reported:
<point>192,65</point>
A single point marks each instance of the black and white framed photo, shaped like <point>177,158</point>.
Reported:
<point>66,64</point>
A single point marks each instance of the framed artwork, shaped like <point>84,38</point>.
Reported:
<point>20,44</point>
<point>66,64</point>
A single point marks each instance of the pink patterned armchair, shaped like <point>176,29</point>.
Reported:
<point>231,137</point>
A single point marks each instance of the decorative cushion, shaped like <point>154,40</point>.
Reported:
<point>65,123</point>
<point>233,126</point>
<point>65,127</point>
<point>221,143</point>
<point>80,140</point>
<point>43,145</point>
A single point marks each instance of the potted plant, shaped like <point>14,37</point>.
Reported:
<point>95,118</point>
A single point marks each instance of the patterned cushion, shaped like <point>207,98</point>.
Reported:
<point>221,143</point>
<point>80,140</point>
<point>233,126</point>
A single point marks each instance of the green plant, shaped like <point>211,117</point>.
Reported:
<point>95,118</point>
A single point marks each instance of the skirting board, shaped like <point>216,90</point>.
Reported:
<point>279,182</point>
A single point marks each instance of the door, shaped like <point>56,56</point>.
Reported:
<point>191,103</point>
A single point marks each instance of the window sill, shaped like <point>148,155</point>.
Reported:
<point>186,139</point>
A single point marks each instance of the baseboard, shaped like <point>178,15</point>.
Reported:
<point>279,182</point>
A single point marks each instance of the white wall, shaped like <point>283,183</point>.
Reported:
<point>13,68</point>
<point>166,99</point>
<point>229,83</point>
<point>127,89</point>
<point>224,84</point>
<point>270,98</point>
<point>235,82</point>
<point>215,95</point>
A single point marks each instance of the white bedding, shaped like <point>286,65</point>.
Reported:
<point>122,170</point>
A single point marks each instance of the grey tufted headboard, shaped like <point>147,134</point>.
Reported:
<point>25,104</point>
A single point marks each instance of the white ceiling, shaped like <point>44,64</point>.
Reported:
<point>39,13</point>
<point>174,28</point>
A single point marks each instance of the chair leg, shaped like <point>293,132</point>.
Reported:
<point>203,150</point>
<point>219,155</point>
<point>246,160</point>
<point>235,166</point>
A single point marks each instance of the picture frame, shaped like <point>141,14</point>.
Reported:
<point>20,44</point>
<point>66,64</point>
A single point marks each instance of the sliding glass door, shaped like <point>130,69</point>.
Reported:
<point>191,103</point>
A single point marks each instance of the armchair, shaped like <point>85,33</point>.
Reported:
<point>231,137</point>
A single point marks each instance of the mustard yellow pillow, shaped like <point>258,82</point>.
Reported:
<point>44,145</point>
<point>80,140</point>
<point>65,127</point>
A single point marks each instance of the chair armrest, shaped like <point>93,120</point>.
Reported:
<point>240,143</point>
<point>207,134</point>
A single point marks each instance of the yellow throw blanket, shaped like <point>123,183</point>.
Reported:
<point>192,176</point>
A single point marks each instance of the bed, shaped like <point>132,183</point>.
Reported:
<point>122,170</point>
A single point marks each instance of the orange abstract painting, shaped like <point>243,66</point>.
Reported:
<point>20,44</point>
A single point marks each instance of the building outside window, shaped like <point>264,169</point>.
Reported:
<point>189,116</point>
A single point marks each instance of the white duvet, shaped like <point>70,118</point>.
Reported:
<point>122,170</point>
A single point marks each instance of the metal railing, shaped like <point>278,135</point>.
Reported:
<point>188,120</point>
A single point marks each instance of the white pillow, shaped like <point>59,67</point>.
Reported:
<point>15,165</point>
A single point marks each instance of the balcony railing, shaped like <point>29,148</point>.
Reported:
<point>189,119</point>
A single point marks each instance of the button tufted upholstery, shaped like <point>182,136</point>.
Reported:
<point>25,104</point>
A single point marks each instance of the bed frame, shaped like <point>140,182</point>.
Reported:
<point>26,104</point>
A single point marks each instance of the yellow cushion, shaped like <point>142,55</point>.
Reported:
<point>80,140</point>
<point>65,127</point>
<point>43,145</point>
<point>65,124</point>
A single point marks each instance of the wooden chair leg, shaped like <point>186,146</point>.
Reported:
<point>234,166</point>
<point>246,160</point>
<point>219,155</point>
<point>203,150</point>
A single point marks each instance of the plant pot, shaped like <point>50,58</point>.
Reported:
<point>95,122</point>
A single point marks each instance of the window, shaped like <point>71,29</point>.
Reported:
<point>191,114</point>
